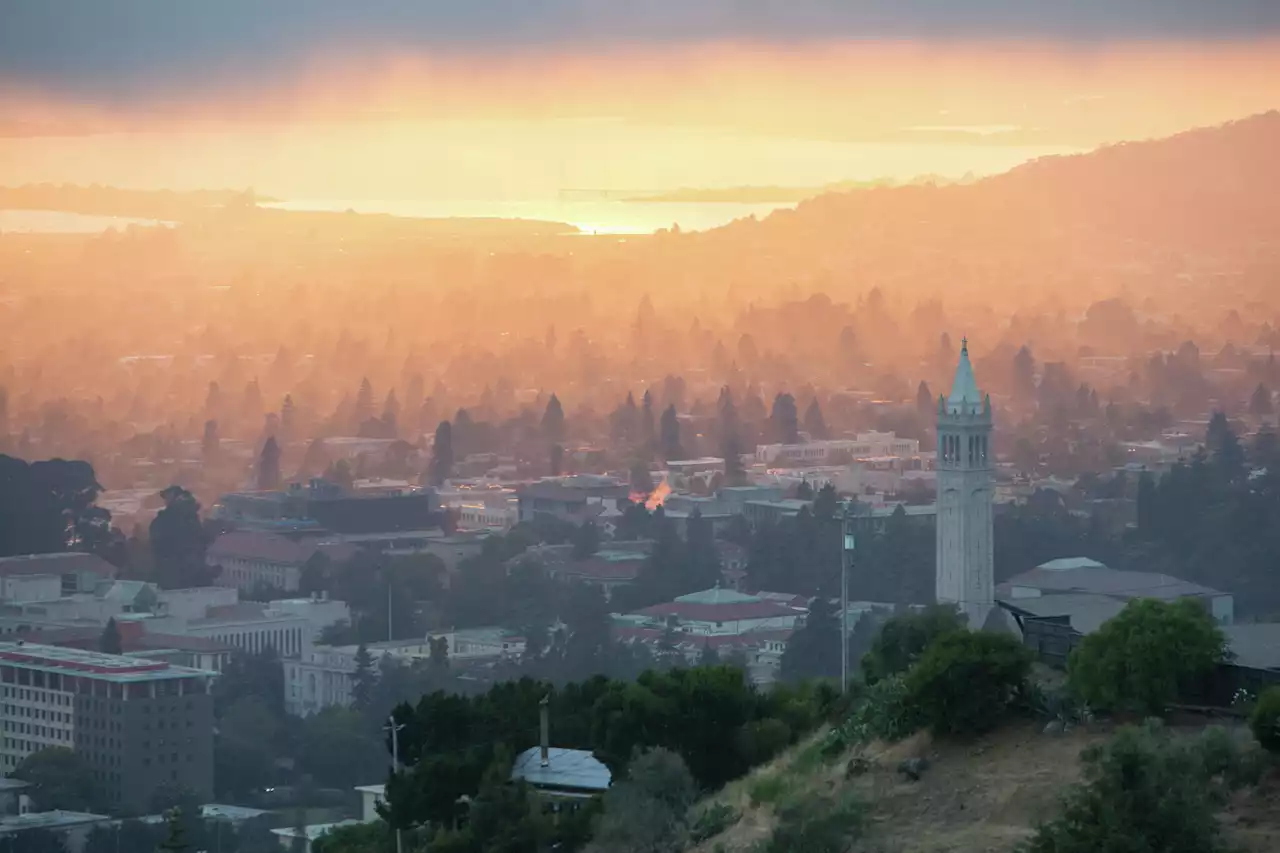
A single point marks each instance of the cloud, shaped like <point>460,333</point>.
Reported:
<point>121,48</point>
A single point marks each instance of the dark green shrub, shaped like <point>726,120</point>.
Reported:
<point>1265,719</point>
<point>1140,659</point>
<point>711,821</point>
<point>761,740</point>
<point>1147,790</point>
<point>816,825</point>
<point>966,682</point>
<point>904,638</point>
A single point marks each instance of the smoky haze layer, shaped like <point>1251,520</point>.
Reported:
<point>137,47</point>
<point>123,348</point>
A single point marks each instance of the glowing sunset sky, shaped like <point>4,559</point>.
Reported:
<point>518,98</point>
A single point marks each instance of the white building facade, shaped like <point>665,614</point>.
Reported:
<point>965,556</point>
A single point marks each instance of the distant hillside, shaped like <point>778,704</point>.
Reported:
<point>1205,199</point>
<point>776,195</point>
<point>166,205</point>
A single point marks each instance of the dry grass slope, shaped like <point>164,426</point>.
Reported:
<point>978,797</point>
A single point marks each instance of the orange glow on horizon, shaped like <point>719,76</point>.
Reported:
<point>710,115</point>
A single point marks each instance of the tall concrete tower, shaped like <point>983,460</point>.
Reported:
<point>966,568</point>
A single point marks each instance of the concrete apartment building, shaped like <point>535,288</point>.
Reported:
<point>139,724</point>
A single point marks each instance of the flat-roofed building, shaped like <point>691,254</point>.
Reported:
<point>139,724</point>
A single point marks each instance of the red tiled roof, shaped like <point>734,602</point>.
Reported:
<point>728,612</point>
<point>56,564</point>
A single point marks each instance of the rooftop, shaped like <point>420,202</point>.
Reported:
<point>1099,579</point>
<point>312,831</point>
<point>70,661</point>
<point>566,768</point>
<point>1086,611</point>
<point>719,605</point>
<point>56,819</point>
<point>56,564</point>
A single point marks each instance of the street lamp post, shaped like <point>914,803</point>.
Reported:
<point>394,728</point>
<point>846,563</point>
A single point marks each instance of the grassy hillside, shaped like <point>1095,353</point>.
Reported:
<point>982,796</point>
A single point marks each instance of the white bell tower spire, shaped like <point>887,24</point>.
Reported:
<point>965,556</point>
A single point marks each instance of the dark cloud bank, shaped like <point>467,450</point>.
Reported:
<point>122,47</point>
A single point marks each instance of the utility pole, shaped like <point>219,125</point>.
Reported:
<point>390,635</point>
<point>846,563</point>
<point>394,727</point>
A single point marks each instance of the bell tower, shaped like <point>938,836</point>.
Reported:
<point>965,557</point>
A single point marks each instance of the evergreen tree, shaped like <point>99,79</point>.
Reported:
<point>924,400</point>
<point>730,441</point>
<point>1146,505</point>
<point>783,420</point>
<point>314,460</point>
<point>269,465</point>
<point>364,679</point>
<point>288,418</point>
<point>1224,448</point>
<point>669,432</point>
<point>364,403</point>
<point>648,434</point>
<point>804,491</point>
<point>553,421</point>
<point>391,412</point>
<point>814,423</point>
<point>1260,403</point>
<point>1024,375</point>
<point>210,444</point>
<point>110,643</point>
<point>641,478</point>
<point>441,467</point>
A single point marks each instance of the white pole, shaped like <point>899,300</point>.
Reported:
<point>395,750</point>
<point>846,557</point>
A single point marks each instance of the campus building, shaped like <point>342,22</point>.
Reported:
<point>139,724</point>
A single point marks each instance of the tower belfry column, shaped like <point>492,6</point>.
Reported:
<point>965,554</point>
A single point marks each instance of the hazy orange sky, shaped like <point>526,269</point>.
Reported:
<point>524,105</point>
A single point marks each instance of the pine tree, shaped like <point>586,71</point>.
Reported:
<point>669,435</point>
<point>553,421</point>
<point>814,423</point>
<point>111,643</point>
<point>364,403</point>
<point>784,420</point>
<point>1260,403</point>
<point>924,400</point>
<point>364,679</point>
<point>647,429</point>
<point>210,444</point>
<point>269,466</point>
<point>441,467</point>
<point>288,418</point>
<point>730,442</point>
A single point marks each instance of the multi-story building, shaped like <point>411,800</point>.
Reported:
<point>324,675</point>
<point>867,445</point>
<point>250,558</point>
<point>22,576</point>
<point>574,499</point>
<point>138,724</point>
